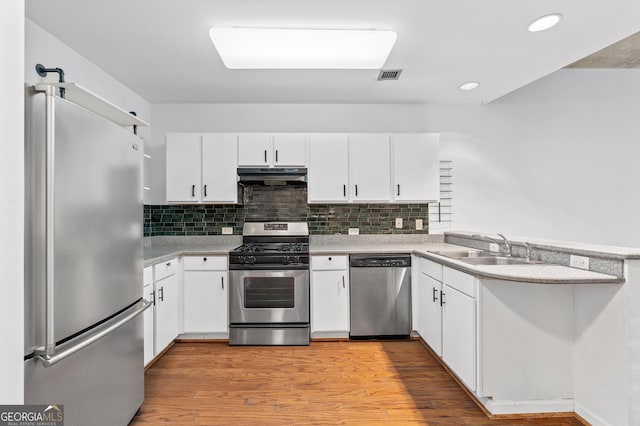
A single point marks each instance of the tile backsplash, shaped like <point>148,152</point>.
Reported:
<point>287,203</point>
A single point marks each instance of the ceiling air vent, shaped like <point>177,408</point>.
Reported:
<point>389,75</point>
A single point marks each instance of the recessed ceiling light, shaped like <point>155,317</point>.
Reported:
<point>544,22</point>
<point>469,86</point>
<point>269,48</point>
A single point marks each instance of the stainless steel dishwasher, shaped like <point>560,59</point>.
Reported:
<point>380,295</point>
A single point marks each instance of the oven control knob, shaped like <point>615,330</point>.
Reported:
<point>251,259</point>
<point>293,259</point>
<point>242,259</point>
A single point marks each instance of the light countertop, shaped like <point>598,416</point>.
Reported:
<point>536,273</point>
<point>159,249</point>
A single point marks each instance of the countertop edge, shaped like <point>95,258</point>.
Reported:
<point>460,266</point>
<point>470,269</point>
<point>582,249</point>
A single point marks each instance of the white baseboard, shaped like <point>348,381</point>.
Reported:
<point>525,407</point>
<point>589,416</point>
<point>213,336</point>
<point>329,334</point>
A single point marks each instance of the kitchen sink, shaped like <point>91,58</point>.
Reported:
<point>456,254</point>
<point>482,257</point>
<point>497,260</point>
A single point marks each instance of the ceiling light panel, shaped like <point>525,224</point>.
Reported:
<point>264,48</point>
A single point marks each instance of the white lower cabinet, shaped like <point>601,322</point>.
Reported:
<point>510,343</point>
<point>430,314</point>
<point>329,296</point>
<point>148,294</point>
<point>447,317</point>
<point>166,288</point>
<point>459,334</point>
<point>458,300</point>
<point>205,295</point>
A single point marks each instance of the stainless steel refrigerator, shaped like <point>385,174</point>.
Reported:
<point>83,263</point>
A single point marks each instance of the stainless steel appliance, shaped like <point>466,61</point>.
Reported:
<point>83,263</point>
<point>272,175</point>
<point>269,285</point>
<point>380,295</point>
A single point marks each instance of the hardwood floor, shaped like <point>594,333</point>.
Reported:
<point>327,383</point>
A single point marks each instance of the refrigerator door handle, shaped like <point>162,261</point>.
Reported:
<point>93,336</point>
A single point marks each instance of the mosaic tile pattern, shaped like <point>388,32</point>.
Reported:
<point>282,203</point>
<point>326,219</point>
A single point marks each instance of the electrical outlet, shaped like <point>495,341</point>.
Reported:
<point>419,226</point>
<point>399,222</point>
<point>227,230</point>
<point>354,231</point>
<point>494,247</point>
<point>581,262</point>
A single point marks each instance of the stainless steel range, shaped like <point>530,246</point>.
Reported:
<point>269,285</point>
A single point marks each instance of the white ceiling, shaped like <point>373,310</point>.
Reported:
<point>161,48</point>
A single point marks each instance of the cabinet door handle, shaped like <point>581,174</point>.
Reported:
<point>265,155</point>
<point>161,295</point>
<point>398,190</point>
<point>356,190</point>
<point>205,191</point>
<point>435,294</point>
<point>442,298</point>
<point>222,282</point>
<point>168,264</point>
<point>276,155</point>
<point>193,190</point>
<point>344,190</point>
<point>343,285</point>
<point>153,297</point>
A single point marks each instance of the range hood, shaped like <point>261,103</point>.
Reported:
<point>272,175</point>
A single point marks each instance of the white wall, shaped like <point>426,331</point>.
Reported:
<point>43,48</point>
<point>273,118</point>
<point>557,159</point>
<point>11,194</point>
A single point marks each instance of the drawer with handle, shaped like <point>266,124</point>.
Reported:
<point>165,269</point>
<point>205,263</point>
<point>329,263</point>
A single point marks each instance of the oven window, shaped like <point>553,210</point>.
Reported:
<point>269,292</point>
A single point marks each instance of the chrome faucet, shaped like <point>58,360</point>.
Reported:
<point>527,248</point>
<point>505,241</point>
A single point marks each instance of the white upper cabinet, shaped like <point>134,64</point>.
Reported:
<point>254,149</point>
<point>416,167</point>
<point>202,167</point>
<point>328,168</point>
<point>184,170</point>
<point>272,150</point>
<point>355,168</point>
<point>289,149</point>
<point>219,164</point>
<point>369,167</point>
